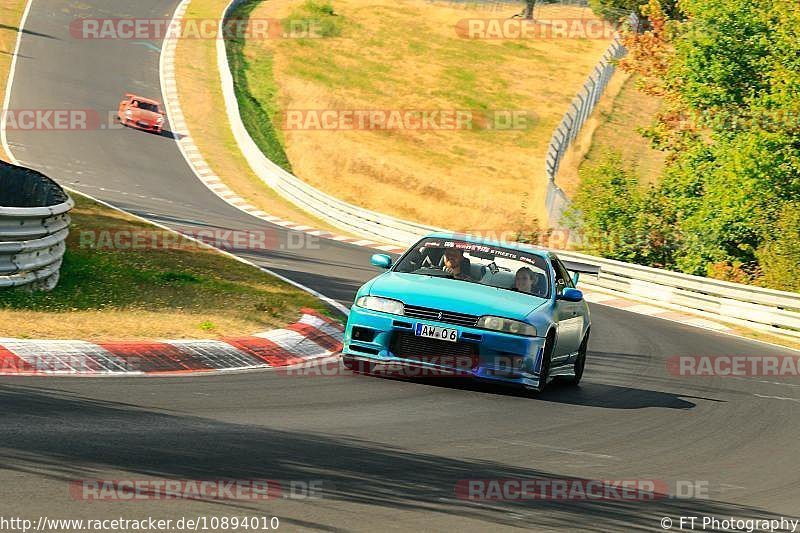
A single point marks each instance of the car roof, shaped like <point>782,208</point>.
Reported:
<point>476,239</point>
<point>142,99</point>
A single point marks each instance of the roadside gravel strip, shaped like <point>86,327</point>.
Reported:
<point>312,337</point>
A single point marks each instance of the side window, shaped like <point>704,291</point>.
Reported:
<point>563,279</point>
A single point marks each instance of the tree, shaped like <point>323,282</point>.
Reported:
<point>530,5</point>
<point>617,9</point>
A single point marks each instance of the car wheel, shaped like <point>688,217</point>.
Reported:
<point>580,363</point>
<point>544,371</point>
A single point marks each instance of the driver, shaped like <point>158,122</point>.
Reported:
<point>456,264</point>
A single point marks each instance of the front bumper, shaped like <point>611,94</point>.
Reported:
<point>144,126</point>
<point>385,339</point>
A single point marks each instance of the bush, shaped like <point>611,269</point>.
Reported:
<point>618,218</point>
<point>779,256</point>
<point>617,9</point>
<point>729,76</point>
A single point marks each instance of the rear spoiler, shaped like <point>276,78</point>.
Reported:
<point>580,268</point>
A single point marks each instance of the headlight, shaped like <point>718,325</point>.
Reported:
<point>160,120</point>
<point>384,305</point>
<point>506,325</point>
<point>128,113</point>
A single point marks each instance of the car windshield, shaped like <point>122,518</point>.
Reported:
<point>146,106</point>
<point>495,266</point>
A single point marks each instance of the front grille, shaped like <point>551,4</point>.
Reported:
<point>444,353</point>
<point>448,317</point>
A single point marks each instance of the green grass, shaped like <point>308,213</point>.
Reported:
<point>318,18</point>
<point>196,288</point>
<point>259,115</point>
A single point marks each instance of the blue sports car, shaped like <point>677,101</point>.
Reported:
<point>454,305</point>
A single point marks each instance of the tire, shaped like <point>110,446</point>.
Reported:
<point>544,372</point>
<point>579,365</point>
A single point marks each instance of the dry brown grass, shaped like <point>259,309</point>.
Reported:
<point>10,15</point>
<point>398,55</point>
<point>407,55</point>
<point>201,101</point>
<point>108,325</point>
<point>568,174</point>
<point>619,130</point>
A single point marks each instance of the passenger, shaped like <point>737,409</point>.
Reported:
<point>523,280</point>
<point>456,264</point>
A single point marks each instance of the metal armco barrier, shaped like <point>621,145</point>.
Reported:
<point>579,111</point>
<point>762,309</point>
<point>34,224</point>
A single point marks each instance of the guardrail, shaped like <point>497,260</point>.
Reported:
<point>777,312</point>
<point>581,107</point>
<point>754,307</point>
<point>34,224</point>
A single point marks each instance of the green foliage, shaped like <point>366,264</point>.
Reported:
<point>730,192</point>
<point>779,255</point>
<point>618,9</point>
<point>621,219</point>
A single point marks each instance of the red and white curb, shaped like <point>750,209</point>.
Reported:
<point>312,337</point>
<point>180,131</point>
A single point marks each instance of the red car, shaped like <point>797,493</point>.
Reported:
<point>141,113</point>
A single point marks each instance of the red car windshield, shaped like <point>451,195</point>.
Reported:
<point>146,106</point>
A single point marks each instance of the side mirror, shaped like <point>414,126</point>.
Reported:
<point>571,295</point>
<point>381,260</point>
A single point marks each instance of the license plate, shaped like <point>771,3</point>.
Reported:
<point>436,332</point>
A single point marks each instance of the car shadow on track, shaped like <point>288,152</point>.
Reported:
<point>172,135</point>
<point>63,436</point>
<point>587,394</point>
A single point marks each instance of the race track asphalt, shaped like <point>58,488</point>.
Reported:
<point>388,453</point>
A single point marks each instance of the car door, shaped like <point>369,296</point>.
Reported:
<point>568,315</point>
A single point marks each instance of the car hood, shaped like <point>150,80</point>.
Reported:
<point>143,114</point>
<point>454,295</point>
